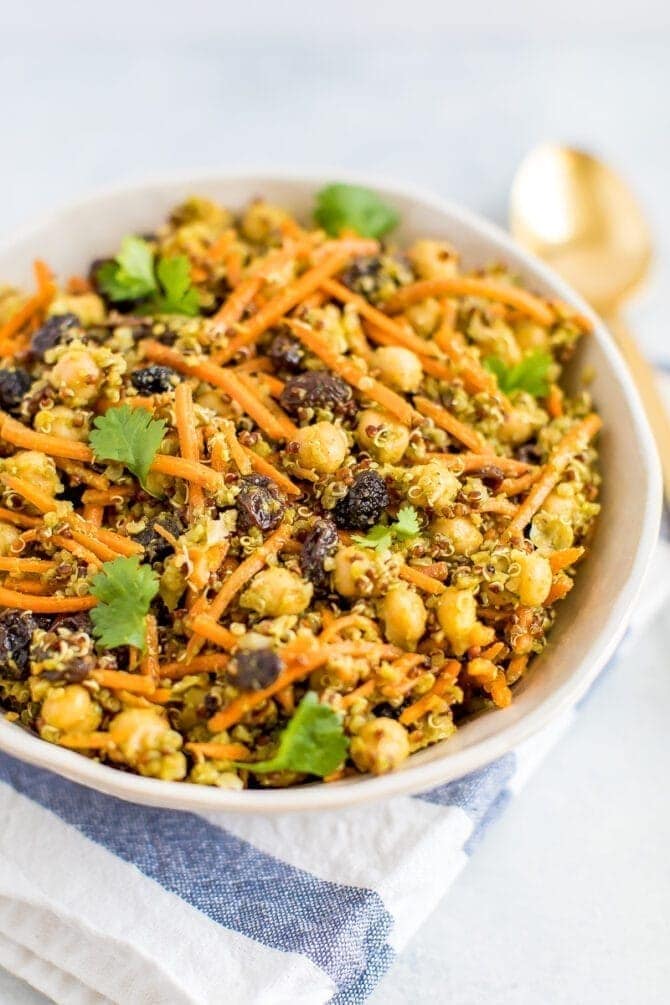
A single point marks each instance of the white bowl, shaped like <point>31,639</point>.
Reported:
<point>590,622</point>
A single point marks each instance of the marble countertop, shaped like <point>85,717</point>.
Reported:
<point>567,897</point>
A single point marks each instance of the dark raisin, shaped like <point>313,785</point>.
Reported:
<point>317,389</point>
<point>152,380</point>
<point>76,623</point>
<point>492,476</point>
<point>54,331</point>
<point>363,504</point>
<point>16,629</point>
<point>259,504</point>
<point>73,672</point>
<point>286,352</point>
<point>255,669</point>
<point>317,546</point>
<point>376,277</point>
<point>156,548</point>
<point>529,454</point>
<point>13,385</point>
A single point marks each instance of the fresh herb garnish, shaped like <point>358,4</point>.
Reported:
<point>313,742</point>
<point>162,285</point>
<point>349,207</point>
<point>529,375</point>
<point>382,536</point>
<point>125,590</point>
<point>128,435</point>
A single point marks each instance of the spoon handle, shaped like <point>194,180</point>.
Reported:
<point>645,380</point>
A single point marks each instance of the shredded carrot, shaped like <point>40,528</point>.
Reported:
<point>117,542</point>
<point>426,583</point>
<point>99,548</point>
<point>575,439</point>
<point>555,402</point>
<point>559,589</point>
<point>187,432</point>
<point>45,605</point>
<point>36,497</point>
<point>263,467</point>
<point>261,389</point>
<point>220,246</point>
<point>232,261</point>
<point>77,285</point>
<point>82,475</point>
<point>288,298</point>
<point>219,751</point>
<point>516,668</point>
<point>431,702</point>
<point>203,624</point>
<point>26,565</point>
<point>28,311</point>
<point>19,519</point>
<point>405,337</point>
<point>362,691</point>
<point>234,307</point>
<point>108,497</point>
<point>116,680</point>
<point>76,549</point>
<point>517,486</point>
<point>86,741</point>
<point>492,652</point>
<point>469,462</point>
<point>188,471</point>
<point>237,451</point>
<point>255,364</point>
<point>344,368</point>
<point>380,322</point>
<point>560,560</point>
<point>33,586</point>
<point>358,621</point>
<point>224,379</point>
<point>208,663</point>
<point>459,430</point>
<point>471,286</point>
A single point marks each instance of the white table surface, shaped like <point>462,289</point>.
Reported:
<point>568,897</point>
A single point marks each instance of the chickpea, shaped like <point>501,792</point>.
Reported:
<point>433,485</point>
<point>424,316</point>
<point>37,468</point>
<point>263,222</point>
<point>71,710</point>
<point>354,572</point>
<point>461,532</point>
<point>382,745</point>
<point>535,578</point>
<point>433,259</point>
<point>213,401</point>
<point>63,421</point>
<point>398,367</point>
<point>404,616</point>
<point>322,447</point>
<point>531,336</point>
<point>76,376</point>
<point>384,438</point>
<point>147,743</point>
<point>8,535</point>
<point>561,503</point>
<point>457,615</point>
<point>275,592</point>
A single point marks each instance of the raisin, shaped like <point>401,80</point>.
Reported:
<point>156,548</point>
<point>73,672</point>
<point>152,380</point>
<point>255,669</point>
<point>492,476</point>
<point>54,331</point>
<point>317,389</point>
<point>13,385</point>
<point>317,546</point>
<point>286,352</point>
<point>76,623</point>
<point>16,629</point>
<point>363,504</point>
<point>259,504</point>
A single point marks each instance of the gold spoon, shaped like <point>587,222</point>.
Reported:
<point>575,213</point>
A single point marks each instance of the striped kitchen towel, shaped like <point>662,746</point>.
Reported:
<point>103,901</point>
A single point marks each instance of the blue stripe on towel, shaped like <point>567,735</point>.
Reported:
<point>342,929</point>
<point>482,795</point>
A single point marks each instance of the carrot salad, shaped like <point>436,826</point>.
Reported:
<point>281,500</point>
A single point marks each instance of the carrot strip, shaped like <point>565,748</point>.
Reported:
<point>116,680</point>
<point>471,286</point>
<point>26,565</point>
<point>19,519</point>
<point>263,467</point>
<point>459,430</point>
<point>234,307</point>
<point>403,337</point>
<point>203,624</point>
<point>516,668</point>
<point>188,471</point>
<point>260,390</point>
<point>107,497</point>
<point>99,548</point>
<point>76,549</point>
<point>364,384</point>
<point>117,542</point>
<point>187,432</point>
<point>35,587</point>
<point>255,364</point>
<point>469,462</point>
<point>86,741</point>
<point>516,486</point>
<point>208,663</point>
<point>224,379</point>
<point>560,589</point>
<point>288,298</point>
<point>237,452</point>
<point>561,559</point>
<point>247,569</point>
<point>362,691</point>
<point>575,439</point>
<point>220,246</point>
<point>44,605</point>
<point>426,583</point>
<point>232,261</point>
<point>380,321</point>
<point>36,497</point>
<point>80,474</point>
<point>555,402</point>
<point>12,328</point>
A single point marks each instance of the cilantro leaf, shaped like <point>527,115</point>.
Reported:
<point>381,536</point>
<point>125,590</point>
<point>128,435</point>
<point>349,207</point>
<point>313,742</point>
<point>131,275</point>
<point>178,297</point>
<point>529,375</point>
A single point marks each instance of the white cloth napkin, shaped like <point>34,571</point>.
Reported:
<point>102,901</point>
